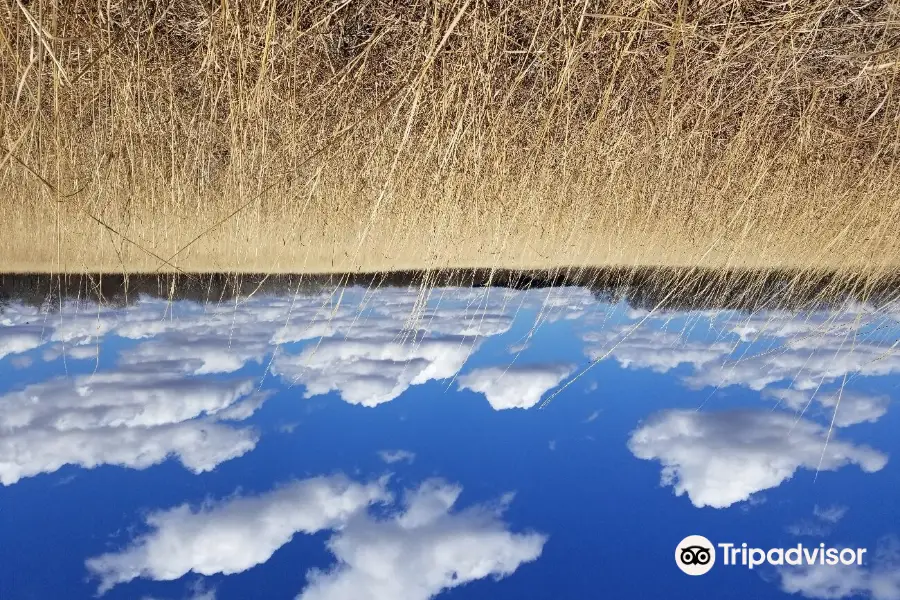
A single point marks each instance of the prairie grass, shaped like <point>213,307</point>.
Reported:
<point>642,288</point>
<point>345,135</point>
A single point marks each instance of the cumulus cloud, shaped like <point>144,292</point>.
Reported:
<point>775,324</point>
<point>140,395</point>
<point>653,349</point>
<point>86,352</point>
<point>800,353</point>
<point>422,551</point>
<point>400,339</point>
<point>369,345</point>
<point>515,386</point>
<point>845,407</point>
<point>236,534</point>
<point>52,352</point>
<point>372,372</point>
<point>412,554</point>
<point>394,456</point>
<point>205,355</point>
<point>852,408</point>
<point>160,393</point>
<point>560,303</point>
<point>134,416</point>
<point>720,458</point>
<point>215,338</point>
<point>805,365</point>
<point>878,581</point>
<point>812,349</point>
<point>19,339</point>
<point>74,326</point>
<point>455,320</point>
<point>243,410</point>
<point>198,445</point>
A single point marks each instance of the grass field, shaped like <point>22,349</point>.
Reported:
<point>277,136</point>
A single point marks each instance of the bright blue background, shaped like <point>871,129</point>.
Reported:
<point>612,527</point>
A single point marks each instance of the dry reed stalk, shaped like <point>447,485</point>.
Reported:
<point>343,136</point>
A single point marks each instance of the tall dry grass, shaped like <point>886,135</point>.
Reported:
<point>201,135</point>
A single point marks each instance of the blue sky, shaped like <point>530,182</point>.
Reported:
<point>383,444</point>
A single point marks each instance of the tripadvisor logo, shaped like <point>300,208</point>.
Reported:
<point>696,555</point>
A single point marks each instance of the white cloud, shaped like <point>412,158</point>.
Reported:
<point>786,324</point>
<point>369,345</point>
<point>236,534</point>
<point>370,372</point>
<point>515,386</point>
<point>19,339</point>
<point>812,349</point>
<point>86,352</point>
<point>826,517</point>
<point>805,364</point>
<point>240,411</point>
<point>200,446</point>
<point>136,416</point>
<point>806,351</point>
<point>560,303</point>
<point>75,325</point>
<point>852,407</point>
<point>880,581</point>
<point>485,321</point>
<point>212,354</point>
<point>144,395</point>
<point>798,400</point>
<point>412,554</point>
<point>399,339</point>
<point>657,350</point>
<point>422,551</point>
<point>394,456</point>
<point>392,340</point>
<point>519,347</point>
<point>201,593</point>
<point>829,514</point>
<point>204,595</point>
<point>160,394</point>
<point>213,338</point>
<point>52,352</point>
<point>720,458</point>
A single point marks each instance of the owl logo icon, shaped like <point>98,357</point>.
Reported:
<point>695,555</point>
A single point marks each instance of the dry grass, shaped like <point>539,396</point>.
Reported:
<point>201,135</point>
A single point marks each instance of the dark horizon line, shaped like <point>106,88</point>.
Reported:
<point>641,287</point>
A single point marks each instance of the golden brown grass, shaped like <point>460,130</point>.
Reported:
<point>228,135</point>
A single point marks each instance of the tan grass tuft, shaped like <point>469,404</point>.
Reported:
<point>286,136</point>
